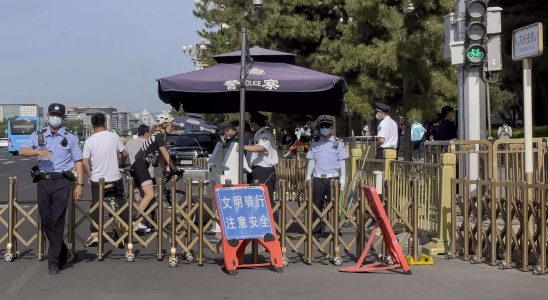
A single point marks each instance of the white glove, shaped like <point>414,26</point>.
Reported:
<point>308,178</point>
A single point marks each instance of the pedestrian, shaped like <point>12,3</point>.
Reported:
<point>326,161</point>
<point>58,153</point>
<point>100,155</point>
<point>152,147</point>
<point>447,129</point>
<point>262,154</point>
<point>387,136</point>
<point>365,131</point>
<point>504,131</point>
<point>417,135</point>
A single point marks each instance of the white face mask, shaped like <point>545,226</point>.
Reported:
<point>55,121</point>
<point>325,131</point>
<point>378,116</point>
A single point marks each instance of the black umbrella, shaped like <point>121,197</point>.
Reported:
<point>273,87</point>
<point>195,122</point>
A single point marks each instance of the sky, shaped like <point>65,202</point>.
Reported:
<point>101,52</point>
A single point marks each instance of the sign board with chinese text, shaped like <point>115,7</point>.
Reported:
<point>244,212</point>
<point>527,42</point>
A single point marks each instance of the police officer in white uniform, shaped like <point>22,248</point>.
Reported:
<point>262,154</point>
<point>388,130</point>
<point>326,162</point>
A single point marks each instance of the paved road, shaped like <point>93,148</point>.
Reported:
<point>148,278</point>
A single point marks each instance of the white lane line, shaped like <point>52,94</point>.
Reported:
<point>25,159</point>
<point>18,284</point>
<point>3,159</point>
<point>8,162</point>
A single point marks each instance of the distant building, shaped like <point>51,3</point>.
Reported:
<point>123,122</point>
<point>26,110</point>
<point>147,118</point>
<point>84,114</point>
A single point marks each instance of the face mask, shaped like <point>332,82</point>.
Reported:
<point>378,116</point>
<point>55,121</point>
<point>325,131</point>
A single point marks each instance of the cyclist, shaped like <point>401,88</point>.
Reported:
<point>150,149</point>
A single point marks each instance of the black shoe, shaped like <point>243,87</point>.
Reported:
<point>53,269</point>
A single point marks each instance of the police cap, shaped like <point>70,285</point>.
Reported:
<point>381,107</point>
<point>56,108</point>
<point>225,126</point>
<point>325,119</point>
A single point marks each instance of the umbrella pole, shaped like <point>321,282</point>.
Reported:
<point>243,75</point>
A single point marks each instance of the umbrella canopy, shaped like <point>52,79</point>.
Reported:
<point>272,87</point>
<point>195,122</point>
<point>258,54</point>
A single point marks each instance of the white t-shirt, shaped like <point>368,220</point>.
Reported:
<point>388,129</point>
<point>103,148</point>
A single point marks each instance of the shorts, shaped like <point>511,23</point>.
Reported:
<point>139,172</point>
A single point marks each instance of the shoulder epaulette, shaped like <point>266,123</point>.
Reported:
<point>316,139</point>
<point>69,131</point>
<point>41,131</point>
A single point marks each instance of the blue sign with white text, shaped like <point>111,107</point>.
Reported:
<point>244,212</point>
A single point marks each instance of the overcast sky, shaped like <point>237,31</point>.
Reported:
<point>101,52</point>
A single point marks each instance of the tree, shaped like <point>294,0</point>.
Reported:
<point>76,126</point>
<point>3,128</point>
<point>385,52</point>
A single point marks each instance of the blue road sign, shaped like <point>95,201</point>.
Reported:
<point>244,212</point>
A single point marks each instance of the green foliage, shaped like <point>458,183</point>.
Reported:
<point>3,128</point>
<point>76,126</point>
<point>384,52</point>
<point>540,131</point>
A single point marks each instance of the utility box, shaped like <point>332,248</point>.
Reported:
<point>453,47</point>
<point>494,25</point>
<point>494,54</point>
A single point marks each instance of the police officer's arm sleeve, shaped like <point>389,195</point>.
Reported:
<point>29,146</point>
<point>311,165</point>
<point>75,149</point>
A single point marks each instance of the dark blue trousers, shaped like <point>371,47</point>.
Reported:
<point>53,196</point>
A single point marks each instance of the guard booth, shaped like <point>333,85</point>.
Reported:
<point>223,166</point>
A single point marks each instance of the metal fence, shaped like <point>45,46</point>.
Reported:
<point>501,223</point>
<point>185,227</point>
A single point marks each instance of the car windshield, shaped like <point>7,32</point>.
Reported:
<point>206,141</point>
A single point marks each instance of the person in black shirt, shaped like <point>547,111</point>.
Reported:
<point>447,129</point>
<point>153,146</point>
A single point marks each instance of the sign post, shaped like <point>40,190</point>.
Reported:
<point>527,42</point>
<point>245,215</point>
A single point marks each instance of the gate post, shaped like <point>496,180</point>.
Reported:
<point>355,155</point>
<point>439,244</point>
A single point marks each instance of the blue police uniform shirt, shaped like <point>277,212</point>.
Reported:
<point>327,154</point>
<point>62,157</point>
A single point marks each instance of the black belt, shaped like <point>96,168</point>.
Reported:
<point>253,167</point>
<point>51,176</point>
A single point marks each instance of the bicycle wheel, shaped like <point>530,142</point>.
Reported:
<point>181,198</point>
<point>300,198</point>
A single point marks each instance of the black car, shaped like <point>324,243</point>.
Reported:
<point>192,145</point>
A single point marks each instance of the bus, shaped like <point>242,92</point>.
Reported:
<point>20,130</point>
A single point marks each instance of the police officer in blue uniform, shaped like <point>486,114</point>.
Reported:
<point>58,153</point>
<point>326,162</point>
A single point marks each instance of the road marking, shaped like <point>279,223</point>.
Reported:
<point>18,284</point>
<point>25,159</point>
<point>8,162</point>
<point>3,159</point>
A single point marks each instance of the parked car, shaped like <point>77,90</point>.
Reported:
<point>170,139</point>
<point>192,145</point>
<point>3,142</point>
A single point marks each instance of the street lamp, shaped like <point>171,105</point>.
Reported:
<point>196,53</point>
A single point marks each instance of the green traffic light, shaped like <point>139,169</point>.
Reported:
<point>475,54</point>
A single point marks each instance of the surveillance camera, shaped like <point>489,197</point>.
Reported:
<point>258,3</point>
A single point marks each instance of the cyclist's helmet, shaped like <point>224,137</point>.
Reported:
<point>164,118</point>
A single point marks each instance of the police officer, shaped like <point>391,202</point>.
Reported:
<point>58,153</point>
<point>262,153</point>
<point>228,132</point>
<point>387,136</point>
<point>326,162</point>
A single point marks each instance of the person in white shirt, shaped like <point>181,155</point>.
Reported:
<point>388,130</point>
<point>101,161</point>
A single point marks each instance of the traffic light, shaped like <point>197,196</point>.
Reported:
<point>476,32</point>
